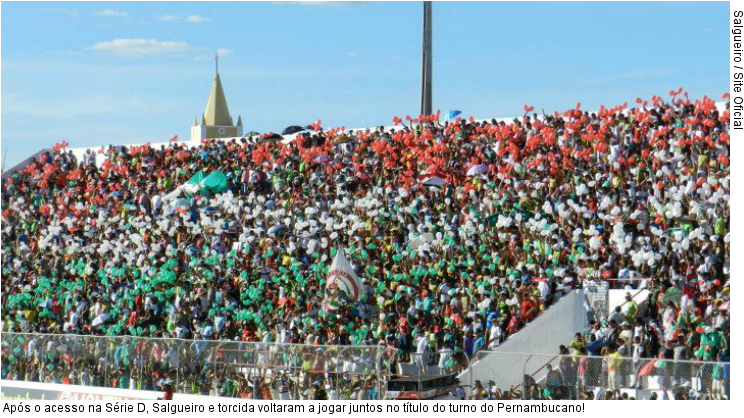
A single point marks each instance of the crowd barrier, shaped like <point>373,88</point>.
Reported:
<point>20,390</point>
<point>212,368</point>
<point>296,371</point>
<point>577,377</point>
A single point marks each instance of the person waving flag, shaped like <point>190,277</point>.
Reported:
<point>342,277</point>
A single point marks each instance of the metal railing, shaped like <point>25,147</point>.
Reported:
<point>295,371</point>
<point>547,376</point>
<point>217,368</point>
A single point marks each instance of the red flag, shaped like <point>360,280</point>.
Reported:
<point>674,93</point>
<point>74,175</point>
<point>723,160</point>
<point>60,146</point>
<point>655,100</point>
<point>647,369</point>
<point>174,139</point>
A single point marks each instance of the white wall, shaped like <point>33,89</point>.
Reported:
<point>12,389</point>
<point>25,163</point>
<point>507,364</point>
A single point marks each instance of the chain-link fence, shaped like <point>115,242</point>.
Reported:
<point>216,368</point>
<point>596,377</point>
<point>295,371</point>
<point>428,375</point>
<point>432,363</point>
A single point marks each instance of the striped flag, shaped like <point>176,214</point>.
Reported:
<point>658,363</point>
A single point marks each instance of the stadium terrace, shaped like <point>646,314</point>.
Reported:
<point>459,233</point>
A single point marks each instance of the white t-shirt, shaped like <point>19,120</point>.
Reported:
<point>494,336</point>
<point>422,345</point>
<point>157,202</point>
<point>544,289</point>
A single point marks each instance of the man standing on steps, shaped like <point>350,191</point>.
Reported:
<point>630,308</point>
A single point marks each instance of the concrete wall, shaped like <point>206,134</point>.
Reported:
<point>507,364</point>
<point>25,163</point>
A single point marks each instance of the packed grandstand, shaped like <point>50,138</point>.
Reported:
<point>459,232</point>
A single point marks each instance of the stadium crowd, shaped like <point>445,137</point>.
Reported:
<point>461,232</point>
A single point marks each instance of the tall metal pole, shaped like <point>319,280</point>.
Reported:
<point>426,63</point>
<point>5,159</point>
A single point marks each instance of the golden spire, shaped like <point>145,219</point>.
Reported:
<point>217,113</point>
<point>240,121</point>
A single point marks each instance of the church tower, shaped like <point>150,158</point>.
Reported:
<point>216,121</point>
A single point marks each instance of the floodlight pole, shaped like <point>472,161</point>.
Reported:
<point>426,63</point>
<point>5,155</point>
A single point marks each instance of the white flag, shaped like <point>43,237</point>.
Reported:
<point>342,276</point>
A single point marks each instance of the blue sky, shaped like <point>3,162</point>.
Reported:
<point>95,73</point>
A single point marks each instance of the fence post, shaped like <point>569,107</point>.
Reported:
<point>378,366</point>
<point>107,345</point>
<point>214,369</point>
<point>178,364</point>
<point>141,366</point>
<point>470,373</point>
<point>524,377</point>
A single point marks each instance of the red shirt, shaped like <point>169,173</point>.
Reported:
<point>528,309</point>
<point>168,395</point>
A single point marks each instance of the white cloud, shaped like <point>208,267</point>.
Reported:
<point>67,12</point>
<point>111,13</point>
<point>139,47</point>
<point>7,99</point>
<point>642,73</point>
<point>195,19</point>
<point>224,52</point>
<point>97,104</point>
<point>67,52</point>
<point>352,54</point>
<point>321,3</point>
<point>168,18</point>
